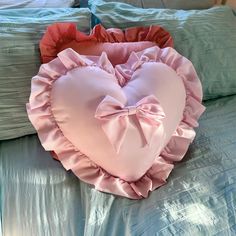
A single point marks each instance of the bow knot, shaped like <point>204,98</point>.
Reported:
<point>114,117</point>
<point>131,110</point>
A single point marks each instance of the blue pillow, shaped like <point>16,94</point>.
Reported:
<point>206,37</point>
<point>20,32</point>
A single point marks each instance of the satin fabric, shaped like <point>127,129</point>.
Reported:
<point>113,41</point>
<point>114,118</point>
<point>67,91</point>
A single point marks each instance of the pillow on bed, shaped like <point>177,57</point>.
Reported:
<point>7,4</point>
<point>118,44</point>
<point>20,32</point>
<point>205,37</point>
<point>125,136</point>
<point>176,4</point>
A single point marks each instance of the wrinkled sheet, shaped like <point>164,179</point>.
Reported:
<point>38,197</point>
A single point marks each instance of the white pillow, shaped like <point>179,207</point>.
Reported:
<point>36,3</point>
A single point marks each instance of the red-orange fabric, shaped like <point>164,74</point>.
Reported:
<point>118,44</point>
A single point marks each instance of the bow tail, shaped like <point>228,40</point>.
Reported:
<point>115,130</point>
<point>149,130</point>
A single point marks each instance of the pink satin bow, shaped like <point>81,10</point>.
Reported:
<point>115,118</point>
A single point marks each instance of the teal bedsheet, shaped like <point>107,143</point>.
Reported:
<point>39,198</point>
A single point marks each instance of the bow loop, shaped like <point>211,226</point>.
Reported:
<point>114,117</point>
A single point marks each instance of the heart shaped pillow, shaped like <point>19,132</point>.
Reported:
<point>119,128</point>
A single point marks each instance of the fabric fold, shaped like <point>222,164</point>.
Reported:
<point>114,118</point>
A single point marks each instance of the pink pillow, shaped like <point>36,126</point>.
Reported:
<point>60,36</point>
<point>119,128</point>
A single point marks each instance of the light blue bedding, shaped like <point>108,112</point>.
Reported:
<point>39,198</point>
<point>20,33</point>
<point>206,37</point>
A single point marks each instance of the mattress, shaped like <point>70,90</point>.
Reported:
<point>38,197</point>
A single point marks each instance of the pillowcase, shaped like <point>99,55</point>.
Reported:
<point>177,4</point>
<point>116,43</point>
<point>36,3</point>
<point>20,32</point>
<point>205,37</point>
<point>119,128</point>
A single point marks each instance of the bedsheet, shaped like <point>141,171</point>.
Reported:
<point>38,197</point>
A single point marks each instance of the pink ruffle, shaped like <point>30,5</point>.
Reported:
<point>59,35</point>
<point>52,138</point>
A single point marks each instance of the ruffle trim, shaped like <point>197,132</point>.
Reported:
<point>60,34</point>
<point>52,138</point>
<point>184,134</point>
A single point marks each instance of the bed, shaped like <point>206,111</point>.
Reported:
<point>38,197</point>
